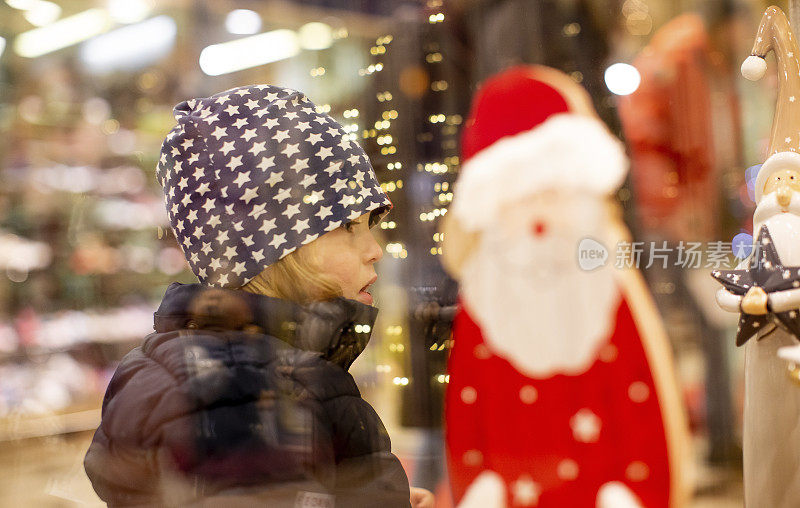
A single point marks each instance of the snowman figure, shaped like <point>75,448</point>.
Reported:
<point>561,387</point>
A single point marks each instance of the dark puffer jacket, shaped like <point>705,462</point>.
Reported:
<point>241,398</point>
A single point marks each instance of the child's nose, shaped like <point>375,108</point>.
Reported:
<point>374,250</point>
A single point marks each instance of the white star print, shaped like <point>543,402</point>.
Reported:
<point>251,104</point>
<point>192,216</point>
<point>325,152</point>
<point>249,194</point>
<point>202,188</point>
<point>291,210</point>
<point>258,255</point>
<point>239,268</point>
<point>334,132</point>
<point>243,178</point>
<point>198,173</point>
<point>310,238</point>
<point>314,138</point>
<point>300,225</point>
<point>257,211</point>
<point>215,264</point>
<point>266,163</point>
<point>193,158</point>
<point>230,252</point>
<point>261,112</point>
<point>267,225</point>
<point>315,196</point>
<point>208,205</point>
<point>206,248</point>
<point>283,195</point>
<point>242,92</point>
<point>222,237</point>
<point>183,183</point>
<point>220,132</point>
<point>290,150</point>
<point>227,147</point>
<point>275,177</point>
<point>281,135</point>
<point>234,163</point>
<point>214,221</point>
<point>257,148</point>
<point>278,240</point>
<point>303,126</point>
<point>291,115</point>
<point>324,211</point>
<point>309,180</point>
<point>354,159</point>
<point>340,184</point>
<point>222,99</point>
<point>300,164</point>
<point>240,122</point>
<point>223,279</point>
<point>232,110</point>
<point>249,134</point>
<point>334,167</point>
<point>270,123</point>
<point>187,143</point>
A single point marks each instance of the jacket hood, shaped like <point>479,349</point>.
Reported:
<point>327,327</point>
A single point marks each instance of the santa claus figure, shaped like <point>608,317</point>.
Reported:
<point>561,386</point>
<point>765,290</point>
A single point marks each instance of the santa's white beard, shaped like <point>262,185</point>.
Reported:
<point>784,227</point>
<point>536,307</point>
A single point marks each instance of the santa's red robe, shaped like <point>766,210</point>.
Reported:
<point>555,441</point>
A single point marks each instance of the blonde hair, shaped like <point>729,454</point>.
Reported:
<point>295,277</point>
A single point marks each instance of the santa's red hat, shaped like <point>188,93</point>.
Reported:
<point>532,129</point>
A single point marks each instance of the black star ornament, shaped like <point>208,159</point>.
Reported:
<point>764,270</point>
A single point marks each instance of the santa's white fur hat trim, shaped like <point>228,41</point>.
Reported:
<point>776,162</point>
<point>568,151</point>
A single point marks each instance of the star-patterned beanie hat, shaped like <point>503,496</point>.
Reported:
<point>253,173</point>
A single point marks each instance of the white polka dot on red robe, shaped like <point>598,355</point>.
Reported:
<point>638,392</point>
<point>637,471</point>
<point>567,469</point>
<point>469,395</point>
<point>472,458</point>
<point>481,352</point>
<point>585,426</point>
<point>528,394</point>
<point>608,353</point>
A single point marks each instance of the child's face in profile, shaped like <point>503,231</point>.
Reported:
<point>347,254</point>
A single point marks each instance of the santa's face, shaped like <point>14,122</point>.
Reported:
<point>779,210</point>
<point>783,183</point>
<point>523,285</point>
